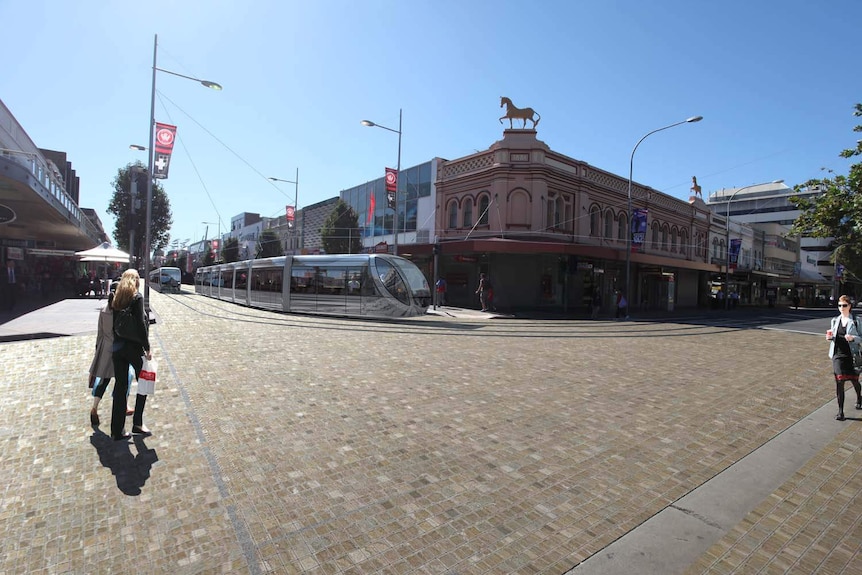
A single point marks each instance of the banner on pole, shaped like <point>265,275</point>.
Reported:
<point>639,229</point>
<point>290,214</point>
<point>165,135</point>
<point>735,245</point>
<point>391,186</point>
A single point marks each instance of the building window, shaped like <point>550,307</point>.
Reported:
<point>609,224</point>
<point>453,215</point>
<point>468,213</point>
<point>673,241</point>
<point>559,211</point>
<point>664,239</point>
<point>683,243</point>
<point>621,227</point>
<point>655,235</point>
<point>595,220</point>
<point>483,210</point>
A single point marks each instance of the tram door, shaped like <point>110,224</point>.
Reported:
<point>303,289</point>
<point>356,279</point>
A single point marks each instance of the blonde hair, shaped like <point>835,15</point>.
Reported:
<point>126,289</point>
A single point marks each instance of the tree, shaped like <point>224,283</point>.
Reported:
<point>230,251</point>
<point>836,212</point>
<point>270,244</point>
<point>120,207</point>
<point>340,231</point>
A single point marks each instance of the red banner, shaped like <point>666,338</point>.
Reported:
<point>165,134</point>
<point>391,180</point>
<point>290,213</point>
<point>371,205</point>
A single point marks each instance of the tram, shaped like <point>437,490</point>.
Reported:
<point>166,279</point>
<point>362,285</point>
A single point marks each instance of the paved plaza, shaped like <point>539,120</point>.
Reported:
<point>445,444</point>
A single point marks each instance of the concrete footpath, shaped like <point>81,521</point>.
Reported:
<point>492,447</point>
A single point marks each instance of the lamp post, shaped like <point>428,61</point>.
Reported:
<point>397,169</point>
<point>631,220</point>
<point>152,126</point>
<point>727,239</point>
<point>295,183</point>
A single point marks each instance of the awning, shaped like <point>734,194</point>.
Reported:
<point>811,277</point>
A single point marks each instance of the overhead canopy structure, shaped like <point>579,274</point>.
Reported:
<point>103,253</point>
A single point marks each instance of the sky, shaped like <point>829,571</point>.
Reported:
<point>775,81</point>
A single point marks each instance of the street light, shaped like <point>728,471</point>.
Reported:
<point>148,239</point>
<point>295,182</point>
<point>371,124</point>
<point>631,220</point>
<point>727,238</point>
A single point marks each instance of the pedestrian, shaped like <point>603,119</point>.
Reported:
<point>483,289</point>
<point>843,334</point>
<point>441,291</point>
<point>595,304</point>
<point>10,284</point>
<point>102,366</point>
<point>131,344</point>
<point>622,306</point>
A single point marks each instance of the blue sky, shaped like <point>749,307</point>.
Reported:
<point>775,81</point>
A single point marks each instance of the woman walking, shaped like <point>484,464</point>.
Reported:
<point>843,335</point>
<point>131,343</point>
<point>102,367</point>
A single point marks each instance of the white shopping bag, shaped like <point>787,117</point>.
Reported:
<point>147,379</point>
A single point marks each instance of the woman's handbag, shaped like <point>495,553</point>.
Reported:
<point>147,379</point>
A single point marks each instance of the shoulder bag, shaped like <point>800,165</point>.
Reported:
<point>125,325</point>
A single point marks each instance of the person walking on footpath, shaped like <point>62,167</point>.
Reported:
<point>622,306</point>
<point>844,337</point>
<point>131,343</point>
<point>102,366</point>
<point>441,291</point>
<point>9,285</point>
<point>484,288</point>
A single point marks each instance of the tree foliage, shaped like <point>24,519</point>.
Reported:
<point>120,207</point>
<point>837,211</point>
<point>230,250</point>
<point>270,244</point>
<point>340,232</point>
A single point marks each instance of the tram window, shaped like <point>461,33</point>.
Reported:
<point>302,280</point>
<point>332,281</point>
<point>241,279</point>
<point>226,279</point>
<point>354,281</point>
<point>391,280</point>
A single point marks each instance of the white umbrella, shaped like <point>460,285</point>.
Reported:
<point>103,253</point>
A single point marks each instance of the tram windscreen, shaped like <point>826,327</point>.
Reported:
<point>415,278</point>
<point>392,280</point>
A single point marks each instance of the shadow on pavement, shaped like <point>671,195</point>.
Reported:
<point>131,471</point>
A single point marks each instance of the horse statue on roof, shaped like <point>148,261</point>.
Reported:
<point>695,188</point>
<point>518,113</point>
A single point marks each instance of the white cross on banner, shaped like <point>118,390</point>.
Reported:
<point>161,166</point>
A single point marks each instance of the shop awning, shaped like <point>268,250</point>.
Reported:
<point>811,277</point>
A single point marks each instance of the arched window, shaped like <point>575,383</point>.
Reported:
<point>621,228</point>
<point>664,238</point>
<point>559,212</point>
<point>683,243</point>
<point>609,225</point>
<point>453,215</point>
<point>468,213</point>
<point>595,220</point>
<point>673,241</point>
<point>483,210</point>
<point>715,248</point>
<point>655,235</point>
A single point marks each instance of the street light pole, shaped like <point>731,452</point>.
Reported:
<point>150,153</point>
<point>295,182</point>
<point>727,239</point>
<point>397,169</point>
<point>627,293</point>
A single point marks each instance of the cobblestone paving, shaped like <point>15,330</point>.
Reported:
<point>290,444</point>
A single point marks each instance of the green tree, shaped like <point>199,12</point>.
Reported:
<point>837,211</point>
<point>230,251</point>
<point>340,231</point>
<point>120,207</point>
<point>270,244</point>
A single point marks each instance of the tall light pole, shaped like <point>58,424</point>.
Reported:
<point>631,220</point>
<point>147,237</point>
<point>397,169</point>
<point>295,182</point>
<point>727,238</point>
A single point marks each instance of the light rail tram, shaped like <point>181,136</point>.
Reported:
<point>166,279</point>
<point>362,285</point>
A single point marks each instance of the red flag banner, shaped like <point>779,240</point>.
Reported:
<point>290,212</point>
<point>371,205</point>
<point>165,135</point>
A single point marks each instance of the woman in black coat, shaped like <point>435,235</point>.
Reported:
<point>131,344</point>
